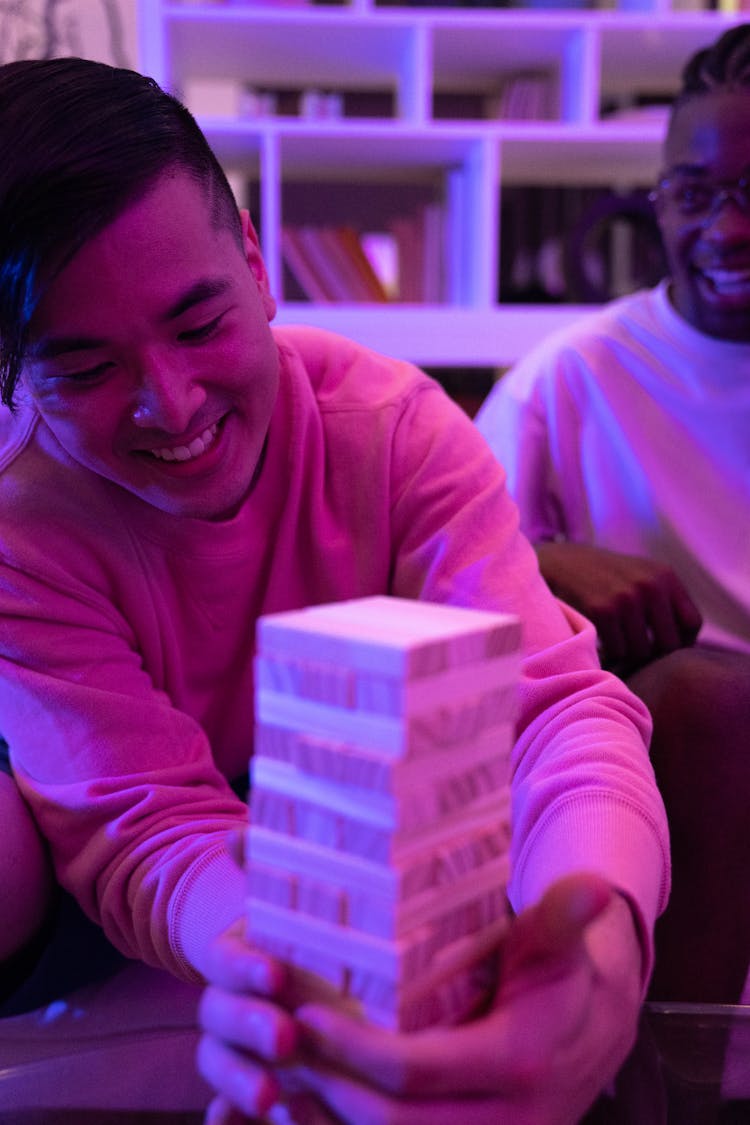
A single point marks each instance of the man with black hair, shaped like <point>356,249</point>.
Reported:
<point>171,469</point>
<point>626,439</point>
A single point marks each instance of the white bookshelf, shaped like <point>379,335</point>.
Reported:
<point>409,55</point>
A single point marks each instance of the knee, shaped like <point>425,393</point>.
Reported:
<point>26,879</point>
<point>699,700</point>
<point>697,690</point>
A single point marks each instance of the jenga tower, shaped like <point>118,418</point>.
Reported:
<point>380,809</point>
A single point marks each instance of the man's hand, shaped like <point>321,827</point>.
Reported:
<point>639,607</point>
<point>563,1021</point>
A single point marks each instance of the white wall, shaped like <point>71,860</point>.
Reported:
<point>97,29</point>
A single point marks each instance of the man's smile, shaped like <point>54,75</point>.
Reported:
<point>190,451</point>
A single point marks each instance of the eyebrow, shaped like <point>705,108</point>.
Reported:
<point>203,290</point>
<point>687,169</point>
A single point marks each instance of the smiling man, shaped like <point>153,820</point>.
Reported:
<point>627,445</point>
<point>172,467</point>
<point>165,388</point>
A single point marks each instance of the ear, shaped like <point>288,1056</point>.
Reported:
<point>254,258</point>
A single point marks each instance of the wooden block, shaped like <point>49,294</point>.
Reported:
<point>442,860</point>
<point>449,1001</point>
<point>389,869</point>
<point>358,820</point>
<point>382,733</point>
<point>376,693</point>
<point>454,723</point>
<point>330,970</point>
<point>303,858</point>
<point>272,884</point>
<point>274,810</point>
<point>446,1002</point>
<point>459,905</point>
<point>321,900</point>
<point>403,973</point>
<point>427,947</point>
<point>309,679</point>
<point>448,722</point>
<point>394,636</point>
<point>333,764</point>
<point>380,800</point>
<point>318,824</point>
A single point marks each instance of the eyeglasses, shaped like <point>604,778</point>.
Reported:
<point>699,198</point>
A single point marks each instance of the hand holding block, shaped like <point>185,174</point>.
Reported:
<point>380,826</point>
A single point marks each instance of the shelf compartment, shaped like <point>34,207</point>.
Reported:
<point>576,244</point>
<point>643,55</point>
<point>608,154</point>
<point>436,197</point>
<point>482,53</point>
<point>330,51</point>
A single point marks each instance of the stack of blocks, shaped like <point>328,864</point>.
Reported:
<point>380,801</point>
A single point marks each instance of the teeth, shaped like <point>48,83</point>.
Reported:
<point>728,279</point>
<point>188,452</point>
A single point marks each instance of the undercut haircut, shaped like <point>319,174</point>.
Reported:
<point>82,141</point>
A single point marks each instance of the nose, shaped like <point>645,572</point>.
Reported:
<point>166,398</point>
<point>728,214</point>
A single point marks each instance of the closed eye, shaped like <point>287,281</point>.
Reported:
<point>88,375</point>
<point>202,332</point>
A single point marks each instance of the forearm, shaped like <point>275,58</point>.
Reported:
<point>583,787</point>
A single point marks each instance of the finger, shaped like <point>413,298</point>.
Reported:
<point>247,1022</point>
<point>473,1059</point>
<point>688,615</point>
<point>664,627</point>
<point>301,1109</point>
<point>238,1079</point>
<point>542,942</point>
<point>236,845</point>
<point>636,633</point>
<point>554,927</point>
<point>221,1112</point>
<point>232,963</point>
<point>354,1103</point>
<point>611,641</point>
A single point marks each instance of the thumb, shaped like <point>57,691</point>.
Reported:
<point>552,930</point>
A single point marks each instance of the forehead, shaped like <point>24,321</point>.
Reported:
<point>712,131</point>
<point>150,252</point>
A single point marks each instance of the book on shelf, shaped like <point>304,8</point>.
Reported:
<point>297,259</point>
<point>522,97</point>
<point>421,254</point>
<point>329,264</point>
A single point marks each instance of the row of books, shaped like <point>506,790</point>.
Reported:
<point>677,5</point>
<point>556,244</point>
<point>522,96</point>
<point>577,245</point>
<point>336,263</point>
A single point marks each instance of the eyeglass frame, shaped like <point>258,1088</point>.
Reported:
<point>738,190</point>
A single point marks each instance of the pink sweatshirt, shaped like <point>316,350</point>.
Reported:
<point>126,645</point>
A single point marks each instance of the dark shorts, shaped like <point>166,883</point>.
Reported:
<point>69,952</point>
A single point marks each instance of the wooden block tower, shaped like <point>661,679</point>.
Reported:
<point>380,808</point>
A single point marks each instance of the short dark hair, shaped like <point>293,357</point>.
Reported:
<point>81,141</point>
<point>723,65</point>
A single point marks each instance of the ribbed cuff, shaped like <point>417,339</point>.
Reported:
<point>210,897</point>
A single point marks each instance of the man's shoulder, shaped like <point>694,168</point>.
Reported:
<point>614,320</point>
<point>49,504</point>
<point>590,339</point>
<point>344,374</point>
